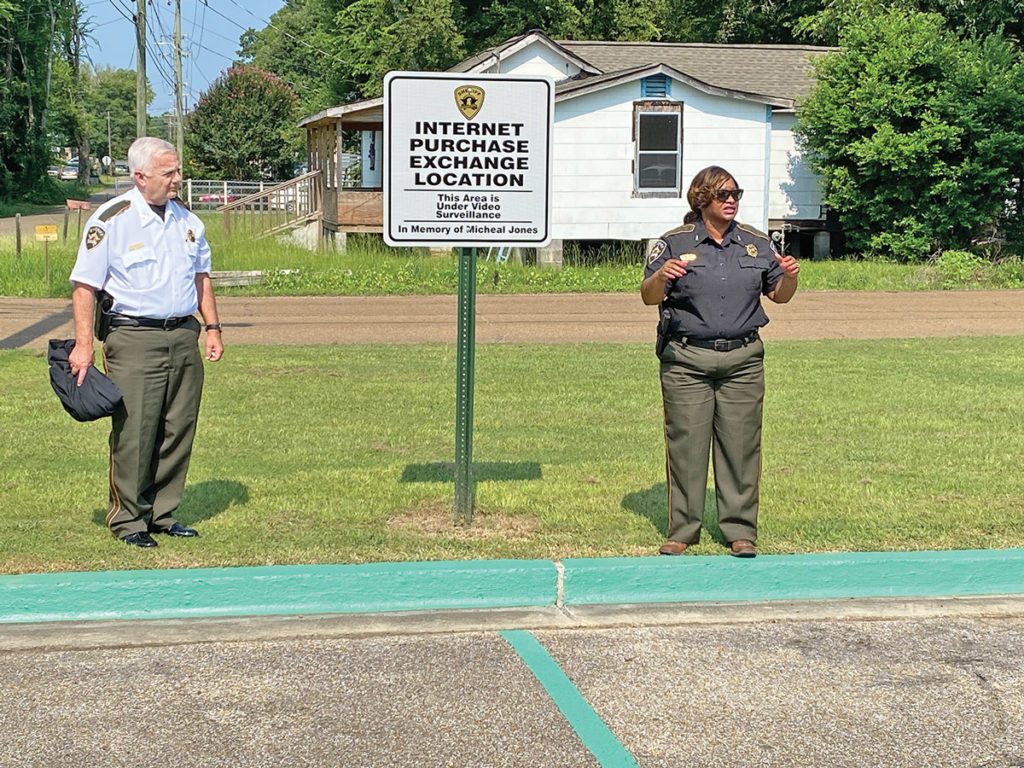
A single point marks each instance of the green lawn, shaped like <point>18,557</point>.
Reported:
<point>342,455</point>
<point>369,268</point>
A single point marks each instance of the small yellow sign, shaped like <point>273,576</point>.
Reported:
<point>46,232</point>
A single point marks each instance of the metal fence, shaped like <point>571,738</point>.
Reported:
<point>209,194</point>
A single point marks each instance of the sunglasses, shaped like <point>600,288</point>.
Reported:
<point>724,194</point>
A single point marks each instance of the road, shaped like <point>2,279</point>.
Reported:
<point>55,216</point>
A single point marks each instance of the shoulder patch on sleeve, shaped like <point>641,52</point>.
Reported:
<point>656,250</point>
<point>94,237</point>
<point>119,207</point>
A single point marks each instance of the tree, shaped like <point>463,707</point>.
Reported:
<point>111,92</point>
<point>242,128</point>
<point>302,46</point>
<point>489,22</point>
<point>967,18</point>
<point>737,21</point>
<point>386,35</point>
<point>31,36</point>
<point>917,134</point>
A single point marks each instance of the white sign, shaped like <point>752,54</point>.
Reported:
<point>468,159</point>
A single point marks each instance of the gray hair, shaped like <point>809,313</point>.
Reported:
<point>143,150</point>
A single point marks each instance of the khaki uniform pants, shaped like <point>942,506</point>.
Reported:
<point>713,400</point>
<point>160,374</point>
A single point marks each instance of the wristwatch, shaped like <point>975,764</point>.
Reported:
<point>213,327</point>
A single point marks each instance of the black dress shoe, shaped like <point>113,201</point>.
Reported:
<point>143,540</point>
<point>179,530</point>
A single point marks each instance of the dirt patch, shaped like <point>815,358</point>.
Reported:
<point>437,520</point>
<point>550,318</point>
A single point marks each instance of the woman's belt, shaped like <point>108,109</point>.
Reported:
<point>167,323</point>
<point>719,345</point>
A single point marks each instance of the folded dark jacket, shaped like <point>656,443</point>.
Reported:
<point>97,397</point>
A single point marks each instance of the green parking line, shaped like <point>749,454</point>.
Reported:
<point>591,729</point>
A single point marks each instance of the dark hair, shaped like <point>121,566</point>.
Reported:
<point>703,188</point>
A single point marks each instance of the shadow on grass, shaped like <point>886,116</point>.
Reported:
<point>495,471</point>
<point>200,502</point>
<point>652,504</point>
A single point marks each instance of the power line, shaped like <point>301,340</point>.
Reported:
<point>129,17</point>
<point>273,26</point>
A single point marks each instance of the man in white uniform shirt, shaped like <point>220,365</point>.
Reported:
<point>147,254</point>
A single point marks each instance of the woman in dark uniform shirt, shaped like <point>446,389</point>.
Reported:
<point>708,277</point>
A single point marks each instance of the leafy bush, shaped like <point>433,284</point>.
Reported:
<point>918,134</point>
<point>960,268</point>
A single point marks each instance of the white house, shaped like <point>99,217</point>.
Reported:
<point>633,123</point>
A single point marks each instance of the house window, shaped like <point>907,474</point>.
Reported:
<point>659,148</point>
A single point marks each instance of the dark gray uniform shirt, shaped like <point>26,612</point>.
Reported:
<point>719,297</point>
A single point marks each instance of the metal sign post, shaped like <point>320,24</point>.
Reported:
<point>468,159</point>
<point>465,491</point>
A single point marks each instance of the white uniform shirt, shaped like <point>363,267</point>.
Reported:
<point>147,265</point>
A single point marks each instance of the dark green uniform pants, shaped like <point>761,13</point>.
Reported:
<point>713,398</point>
<point>160,374</point>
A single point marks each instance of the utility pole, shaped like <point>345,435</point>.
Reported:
<point>140,68</point>
<point>179,106</point>
<point>110,149</point>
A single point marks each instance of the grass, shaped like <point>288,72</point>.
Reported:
<point>342,454</point>
<point>370,268</point>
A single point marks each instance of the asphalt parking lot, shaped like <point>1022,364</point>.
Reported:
<point>816,683</point>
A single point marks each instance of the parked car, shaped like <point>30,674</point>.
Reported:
<point>121,168</point>
<point>53,170</point>
<point>69,172</point>
<point>217,197</point>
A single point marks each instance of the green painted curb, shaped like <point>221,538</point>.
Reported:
<point>385,587</point>
<point>793,577</point>
<point>289,590</point>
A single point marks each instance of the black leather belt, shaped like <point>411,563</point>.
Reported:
<point>167,323</point>
<point>720,345</point>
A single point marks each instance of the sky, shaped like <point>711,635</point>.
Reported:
<point>209,31</point>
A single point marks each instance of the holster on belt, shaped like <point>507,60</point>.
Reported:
<point>101,327</point>
<point>664,332</point>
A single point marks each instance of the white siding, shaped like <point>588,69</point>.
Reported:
<point>536,59</point>
<point>594,153</point>
<point>796,189</point>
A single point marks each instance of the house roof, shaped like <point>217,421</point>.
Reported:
<point>778,71</point>
<point>778,75</point>
<point>568,89</point>
<point>365,113</point>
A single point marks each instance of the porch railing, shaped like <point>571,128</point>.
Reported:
<point>275,209</point>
